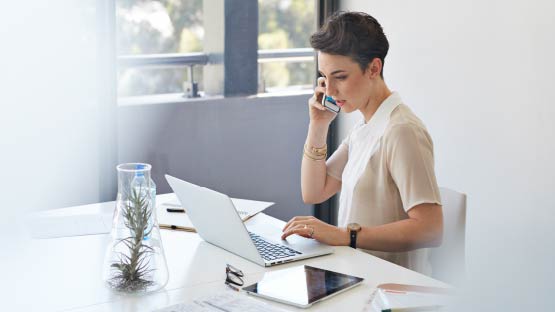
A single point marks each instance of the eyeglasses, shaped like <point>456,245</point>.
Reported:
<point>234,275</point>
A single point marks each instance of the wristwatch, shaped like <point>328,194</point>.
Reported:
<point>353,228</point>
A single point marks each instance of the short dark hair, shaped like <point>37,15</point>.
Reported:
<point>354,34</point>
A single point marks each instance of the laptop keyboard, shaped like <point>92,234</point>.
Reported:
<point>270,251</point>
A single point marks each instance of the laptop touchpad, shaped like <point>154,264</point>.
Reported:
<point>273,234</point>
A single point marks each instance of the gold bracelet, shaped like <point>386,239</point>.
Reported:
<point>313,157</point>
<point>317,150</point>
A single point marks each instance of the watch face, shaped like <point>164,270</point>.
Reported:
<point>354,227</point>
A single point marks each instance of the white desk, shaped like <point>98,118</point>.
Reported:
<point>66,274</point>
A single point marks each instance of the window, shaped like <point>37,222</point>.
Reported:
<point>286,24</point>
<point>157,28</point>
<point>160,45</point>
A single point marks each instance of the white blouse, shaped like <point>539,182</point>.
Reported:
<point>386,167</point>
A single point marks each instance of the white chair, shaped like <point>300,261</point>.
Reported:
<point>448,260</point>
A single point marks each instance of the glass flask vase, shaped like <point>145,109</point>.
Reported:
<point>135,262</point>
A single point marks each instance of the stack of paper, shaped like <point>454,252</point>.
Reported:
<point>223,301</point>
<point>72,221</point>
<point>391,299</point>
<point>180,221</point>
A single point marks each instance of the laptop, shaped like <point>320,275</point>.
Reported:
<point>217,222</point>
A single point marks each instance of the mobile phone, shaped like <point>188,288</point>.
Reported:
<point>329,104</point>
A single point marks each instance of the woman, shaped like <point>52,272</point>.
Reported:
<point>390,204</point>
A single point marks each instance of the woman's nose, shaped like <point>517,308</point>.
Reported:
<point>330,89</point>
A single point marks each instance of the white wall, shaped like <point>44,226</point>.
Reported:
<point>480,76</point>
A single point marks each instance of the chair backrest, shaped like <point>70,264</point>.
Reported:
<point>448,260</point>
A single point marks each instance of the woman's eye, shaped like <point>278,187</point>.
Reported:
<point>341,77</point>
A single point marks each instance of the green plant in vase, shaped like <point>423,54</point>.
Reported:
<point>133,268</point>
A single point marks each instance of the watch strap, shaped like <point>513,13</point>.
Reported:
<point>353,235</point>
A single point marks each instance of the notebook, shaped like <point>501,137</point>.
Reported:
<point>401,297</point>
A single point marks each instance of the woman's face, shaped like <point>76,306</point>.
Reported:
<point>346,83</point>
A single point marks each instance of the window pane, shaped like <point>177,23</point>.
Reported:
<point>144,81</point>
<point>286,24</point>
<point>280,75</point>
<point>164,26</point>
<point>158,27</point>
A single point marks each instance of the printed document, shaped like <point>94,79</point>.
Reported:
<point>229,301</point>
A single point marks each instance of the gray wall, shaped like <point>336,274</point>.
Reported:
<point>244,147</point>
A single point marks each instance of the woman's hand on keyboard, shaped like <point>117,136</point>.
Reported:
<point>311,227</point>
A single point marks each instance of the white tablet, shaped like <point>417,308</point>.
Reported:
<point>302,286</point>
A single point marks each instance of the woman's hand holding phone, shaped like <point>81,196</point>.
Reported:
<point>318,113</point>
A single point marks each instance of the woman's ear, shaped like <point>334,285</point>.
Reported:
<point>374,68</point>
